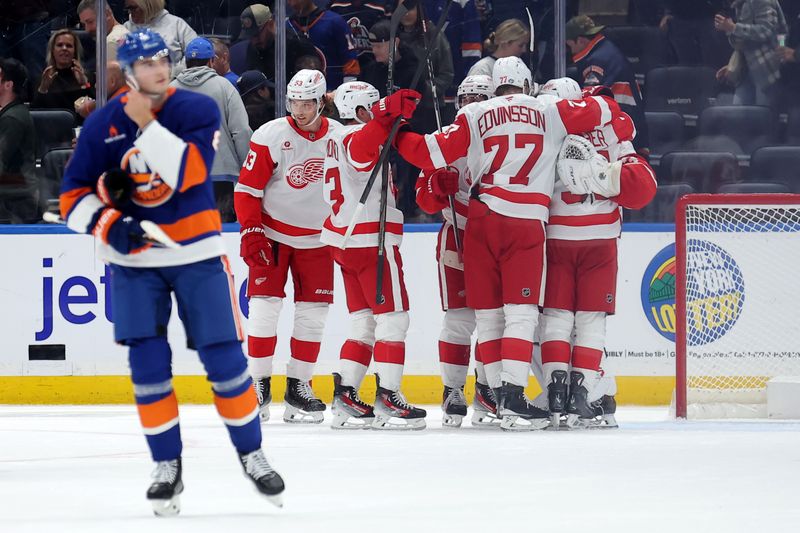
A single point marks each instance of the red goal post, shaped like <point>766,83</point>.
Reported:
<point>736,255</point>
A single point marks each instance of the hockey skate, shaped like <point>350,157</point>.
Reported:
<point>302,407</point>
<point>557,397</point>
<point>484,407</point>
<point>164,493</point>
<point>393,412</point>
<point>517,412</point>
<point>267,481</point>
<point>349,411</point>
<point>578,408</point>
<point>454,407</point>
<point>263,388</point>
<point>604,410</point>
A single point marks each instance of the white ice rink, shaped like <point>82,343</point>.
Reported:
<point>86,469</point>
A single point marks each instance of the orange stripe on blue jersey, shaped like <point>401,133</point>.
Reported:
<point>193,226</point>
<point>238,410</point>
<point>68,199</point>
<point>160,415</point>
<point>194,169</point>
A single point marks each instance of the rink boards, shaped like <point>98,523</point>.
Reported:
<point>56,342</point>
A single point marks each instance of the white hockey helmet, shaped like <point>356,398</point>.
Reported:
<point>564,88</point>
<point>478,84</point>
<point>352,95</point>
<point>511,71</point>
<point>306,85</point>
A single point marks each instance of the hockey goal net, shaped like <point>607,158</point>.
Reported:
<point>737,301</point>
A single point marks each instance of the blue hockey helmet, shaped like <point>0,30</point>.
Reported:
<point>141,44</point>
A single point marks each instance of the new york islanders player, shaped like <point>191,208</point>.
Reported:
<point>585,223</point>
<point>163,141</point>
<point>375,328</point>
<point>280,207</point>
<point>459,320</point>
<point>511,144</point>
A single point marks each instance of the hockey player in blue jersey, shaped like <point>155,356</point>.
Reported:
<point>163,141</point>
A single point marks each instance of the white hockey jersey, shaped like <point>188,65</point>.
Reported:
<point>511,144</point>
<point>344,183</point>
<point>432,204</point>
<point>284,170</point>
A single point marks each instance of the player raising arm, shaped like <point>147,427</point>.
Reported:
<point>146,156</point>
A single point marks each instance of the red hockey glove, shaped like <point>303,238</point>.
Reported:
<point>400,104</point>
<point>256,250</point>
<point>443,182</point>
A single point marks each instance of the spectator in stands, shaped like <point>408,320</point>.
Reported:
<point>511,38</point>
<point>174,30</point>
<point>24,30</point>
<point>17,147</point>
<point>600,62</point>
<point>221,63</point>
<point>256,92</point>
<point>331,34</point>
<point>790,69</point>
<point>377,72</point>
<point>115,32</point>
<point>234,139</point>
<point>63,80</point>
<point>360,16</point>
<point>257,51</point>
<point>116,84</point>
<point>754,68</point>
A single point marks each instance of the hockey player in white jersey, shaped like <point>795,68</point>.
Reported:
<point>511,144</point>
<point>432,190</point>
<point>377,329</point>
<point>585,223</point>
<point>281,209</point>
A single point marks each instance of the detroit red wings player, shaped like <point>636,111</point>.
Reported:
<point>280,206</point>
<point>459,320</point>
<point>377,329</point>
<point>585,223</point>
<point>511,144</point>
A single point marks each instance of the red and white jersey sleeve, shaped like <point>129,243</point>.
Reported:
<point>511,144</point>
<point>284,169</point>
<point>426,198</point>
<point>585,217</point>
<point>344,182</point>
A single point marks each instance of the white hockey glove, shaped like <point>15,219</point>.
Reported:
<point>583,171</point>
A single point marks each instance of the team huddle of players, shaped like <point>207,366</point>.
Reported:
<point>538,184</point>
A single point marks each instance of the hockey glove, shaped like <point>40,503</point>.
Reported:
<point>400,104</point>
<point>114,188</point>
<point>124,234</point>
<point>443,182</point>
<point>579,164</point>
<point>256,250</point>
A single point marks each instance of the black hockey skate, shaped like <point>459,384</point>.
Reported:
<point>302,407</point>
<point>557,395</point>
<point>267,481</point>
<point>454,407</point>
<point>263,388</point>
<point>484,407</point>
<point>393,412</point>
<point>578,404</point>
<point>517,412</point>
<point>164,493</point>
<point>604,410</point>
<point>349,411</point>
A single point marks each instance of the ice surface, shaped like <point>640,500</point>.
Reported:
<point>86,469</point>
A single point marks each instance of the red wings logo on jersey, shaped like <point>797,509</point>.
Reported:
<point>301,175</point>
<point>149,189</point>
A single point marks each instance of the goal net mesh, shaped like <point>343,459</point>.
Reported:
<point>742,318</point>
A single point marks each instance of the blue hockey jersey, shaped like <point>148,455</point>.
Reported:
<point>169,163</point>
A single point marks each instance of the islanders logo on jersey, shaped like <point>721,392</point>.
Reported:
<point>714,292</point>
<point>304,173</point>
<point>149,189</point>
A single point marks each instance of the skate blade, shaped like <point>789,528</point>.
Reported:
<point>389,423</point>
<point>275,499</point>
<point>293,415</point>
<point>555,422</point>
<point>452,421</point>
<point>604,422</point>
<point>484,420</point>
<point>167,508</point>
<point>518,423</point>
<point>263,413</point>
<point>345,421</point>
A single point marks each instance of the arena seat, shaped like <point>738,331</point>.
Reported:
<point>684,90</point>
<point>53,164</point>
<point>776,164</point>
<point>749,127</point>
<point>753,188</point>
<point>644,46</point>
<point>703,171</point>
<point>666,133</point>
<point>53,129</point>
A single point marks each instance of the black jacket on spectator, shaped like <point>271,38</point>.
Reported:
<point>17,173</point>
<point>376,73</point>
<point>246,56</point>
<point>62,93</point>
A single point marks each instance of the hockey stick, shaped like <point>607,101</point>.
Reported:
<point>530,52</point>
<point>451,199</point>
<point>152,233</point>
<point>392,133</point>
